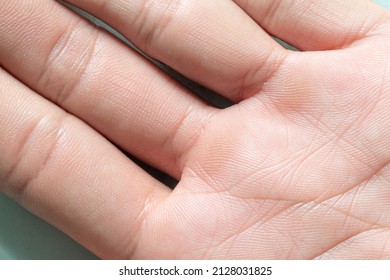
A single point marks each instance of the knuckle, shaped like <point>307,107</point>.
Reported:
<point>68,59</point>
<point>256,75</point>
<point>187,133</point>
<point>33,150</point>
<point>153,20</point>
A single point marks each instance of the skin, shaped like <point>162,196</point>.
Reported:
<point>297,168</point>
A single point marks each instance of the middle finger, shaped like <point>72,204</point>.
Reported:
<point>95,77</point>
<point>213,43</point>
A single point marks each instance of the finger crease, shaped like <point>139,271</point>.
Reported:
<point>151,33</point>
<point>252,85</point>
<point>64,63</point>
<point>20,184</point>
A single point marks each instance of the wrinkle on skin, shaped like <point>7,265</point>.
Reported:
<point>299,169</point>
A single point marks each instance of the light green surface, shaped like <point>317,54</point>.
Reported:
<point>24,236</point>
<point>384,3</point>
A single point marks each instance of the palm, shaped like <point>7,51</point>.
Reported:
<point>297,169</point>
<point>289,175</point>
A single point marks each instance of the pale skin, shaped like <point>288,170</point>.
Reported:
<point>297,168</point>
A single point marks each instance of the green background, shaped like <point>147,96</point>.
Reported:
<point>24,236</point>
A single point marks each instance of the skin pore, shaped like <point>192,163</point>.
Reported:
<point>297,168</point>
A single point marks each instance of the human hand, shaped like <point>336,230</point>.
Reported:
<point>298,168</point>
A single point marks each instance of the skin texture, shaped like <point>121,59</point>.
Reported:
<point>298,168</point>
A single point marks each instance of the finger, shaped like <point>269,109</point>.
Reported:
<point>65,172</point>
<point>93,76</point>
<point>212,42</point>
<point>315,25</point>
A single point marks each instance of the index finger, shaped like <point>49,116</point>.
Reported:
<point>66,173</point>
